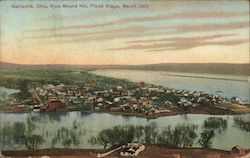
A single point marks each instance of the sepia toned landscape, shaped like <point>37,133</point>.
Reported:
<point>167,79</point>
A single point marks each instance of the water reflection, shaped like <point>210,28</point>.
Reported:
<point>49,116</point>
<point>185,117</point>
<point>62,129</point>
<point>242,122</point>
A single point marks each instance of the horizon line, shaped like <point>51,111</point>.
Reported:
<point>25,64</point>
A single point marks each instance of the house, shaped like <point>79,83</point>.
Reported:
<point>99,105</point>
<point>97,108</point>
<point>52,96</point>
<point>141,84</point>
<point>31,101</point>
<point>88,103</point>
<point>115,108</point>
<point>14,109</point>
<point>197,94</point>
<point>156,90</point>
<point>119,87</point>
<point>238,151</point>
<point>126,108</point>
<point>77,101</point>
<point>56,106</point>
<point>132,149</point>
<point>99,100</point>
<point>39,108</point>
<point>117,99</point>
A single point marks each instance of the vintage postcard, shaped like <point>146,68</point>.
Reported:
<point>124,78</point>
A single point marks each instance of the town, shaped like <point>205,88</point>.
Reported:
<point>138,99</point>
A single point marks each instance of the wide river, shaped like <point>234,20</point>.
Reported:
<point>224,85</point>
<point>47,125</point>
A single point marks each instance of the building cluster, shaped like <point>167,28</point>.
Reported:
<point>139,98</point>
<point>142,98</point>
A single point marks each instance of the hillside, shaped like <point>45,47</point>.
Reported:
<point>214,68</point>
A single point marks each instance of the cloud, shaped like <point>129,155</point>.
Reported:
<point>181,43</point>
<point>198,38</point>
<point>182,15</point>
<point>98,38</point>
<point>60,17</point>
<point>212,27</point>
<point>119,33</point>
<point>143,31</point>
<point>188,45</point>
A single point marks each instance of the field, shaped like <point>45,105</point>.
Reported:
<point>237,108</point>
<point>13,78</point>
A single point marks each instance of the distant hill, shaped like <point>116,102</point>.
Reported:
<point>214,68</point>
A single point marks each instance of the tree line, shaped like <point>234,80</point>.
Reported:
<point>183,135</point>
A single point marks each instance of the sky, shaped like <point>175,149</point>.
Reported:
<point>165,31</point>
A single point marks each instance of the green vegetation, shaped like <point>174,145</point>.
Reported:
<point>87,108</point>
<point>24,89</point>
<point>32,141</point>
<point>68,136</point>
<point>34,78</point>
<point>22,134</point>
<point>180,136</point>
<point>150,132</point>
<point>183,136</point>
<point>210,125</point>
<point>206,137</point>
<point>118,135</point>
<point>242,122</point>
<point>215,123</point>
<point>167,96</point>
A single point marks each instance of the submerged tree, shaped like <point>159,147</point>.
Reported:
<point>166,137</point>
<point>183,136</point>
<point>139,133</point>
<point>32,141</point>
<point>19,130</point>
<point>6,134</point>
<point>68,136</point>
<point>103,138</point>
<point>20,133</point>
<point>112,137</point>
<point>242,122</point>
<point>206,137</point>
<point>151,133</point>
<point>215,123</point>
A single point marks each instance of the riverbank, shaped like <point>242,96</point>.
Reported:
<point>149,152</point>
<point>209,110</point>
<point>224,109</point>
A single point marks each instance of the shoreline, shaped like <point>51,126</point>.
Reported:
<point>206,110</point>
<point>151,150</point>
<point>177,111</point>
<point>204,77</point>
